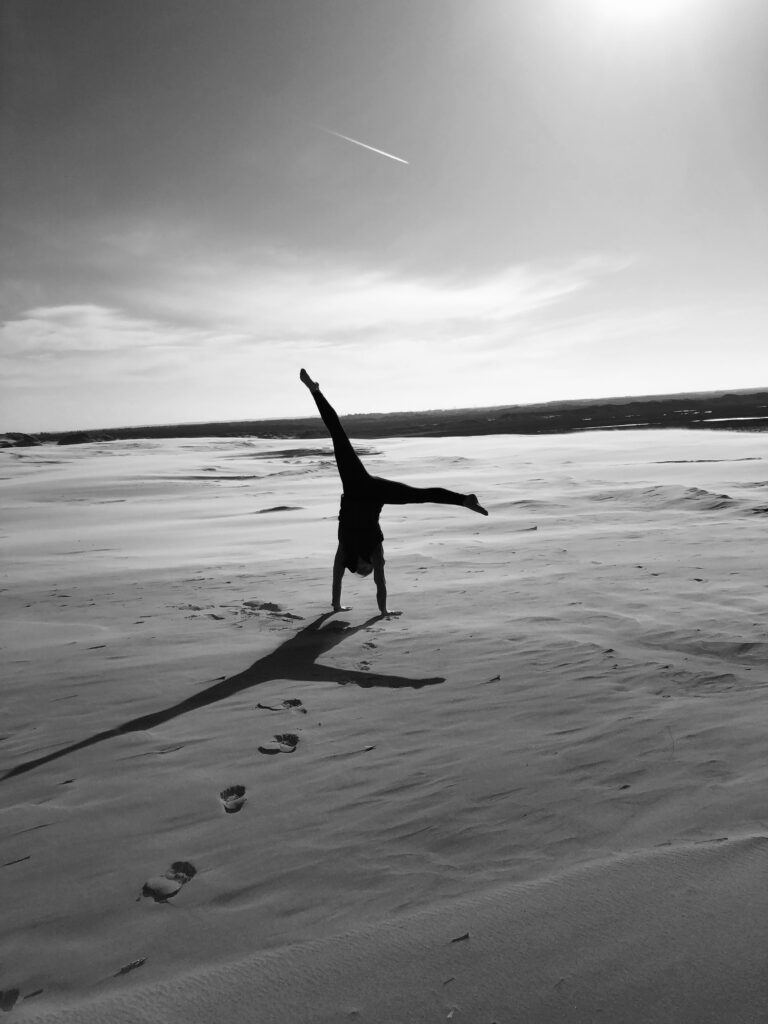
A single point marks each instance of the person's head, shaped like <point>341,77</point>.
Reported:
<point>364,567</point>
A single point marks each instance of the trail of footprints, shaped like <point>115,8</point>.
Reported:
<point>162,888</point>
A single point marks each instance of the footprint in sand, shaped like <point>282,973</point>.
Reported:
<point>165,886</point>
<point>275,610</point>
<point>283,743</point>
<point>291,704</point>
<point>233,798</point>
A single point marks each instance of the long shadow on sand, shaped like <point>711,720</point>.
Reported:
<point>295,659</point>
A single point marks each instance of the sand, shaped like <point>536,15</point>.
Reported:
<point>556,756</point>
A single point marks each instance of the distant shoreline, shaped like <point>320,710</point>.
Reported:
<point>735,410</point>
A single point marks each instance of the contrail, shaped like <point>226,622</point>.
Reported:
<point>357,142</point>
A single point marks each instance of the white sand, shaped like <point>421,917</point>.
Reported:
<point>595,817</point>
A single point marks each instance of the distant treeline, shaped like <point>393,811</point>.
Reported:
<point>735,410</point>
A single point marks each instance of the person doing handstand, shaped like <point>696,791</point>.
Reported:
<point>360,547</point>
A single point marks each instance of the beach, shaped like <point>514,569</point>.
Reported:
<point>539,794</point>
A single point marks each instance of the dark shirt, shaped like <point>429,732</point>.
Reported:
<point>359,530</point>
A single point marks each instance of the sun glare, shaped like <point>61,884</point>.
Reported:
<point>637,12</point>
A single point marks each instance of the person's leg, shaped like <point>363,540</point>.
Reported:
<point>351,470</point>
<point>392,492</point>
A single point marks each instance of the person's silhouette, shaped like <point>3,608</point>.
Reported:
<point>360,547</point>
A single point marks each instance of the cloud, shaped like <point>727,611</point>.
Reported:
<point>206,324</point>
<point>78,331</point>
<point>210,306</point>
<point>219,337</point>
<point>272,299</point>
<point>559,334</point>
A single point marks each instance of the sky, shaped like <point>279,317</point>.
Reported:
<point>578,207</point>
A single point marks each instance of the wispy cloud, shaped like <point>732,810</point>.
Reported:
<point>217,338</point>
<point>270,300</point>
<point>158,281</point>
<point>208,306</point>
<point>75,338</point>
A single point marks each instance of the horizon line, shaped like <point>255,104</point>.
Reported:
<point>402,412</point>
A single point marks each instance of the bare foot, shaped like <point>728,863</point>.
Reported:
<point>389,613</point>
<point>471,502</point>
<point>306,379</point>
<point>342,608</point>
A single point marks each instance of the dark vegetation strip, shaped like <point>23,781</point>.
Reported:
<point>735,410</point>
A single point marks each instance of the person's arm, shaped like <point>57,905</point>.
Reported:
<point>379,579</point>
<point>338,573</point>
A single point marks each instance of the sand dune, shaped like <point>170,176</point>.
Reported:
<point>558,748</point>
